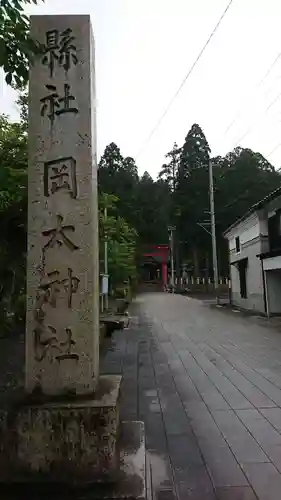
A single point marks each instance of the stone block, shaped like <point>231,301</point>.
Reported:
<point>63,440</point>
<point>129,481</point>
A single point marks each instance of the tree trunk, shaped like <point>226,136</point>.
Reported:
<point>196,261</point>
<point>207,265</point>
<point>177,255</point>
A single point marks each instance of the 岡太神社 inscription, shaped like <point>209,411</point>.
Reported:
<point>46,340</point>
<point>60,175</point>
<point>58,236</point>
<point>52,286</point>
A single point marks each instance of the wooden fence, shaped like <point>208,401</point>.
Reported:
<point>201,284</point>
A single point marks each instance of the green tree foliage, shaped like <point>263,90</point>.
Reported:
<point>13,204</point>
<point>119,176</point>
<point>169,171</point>
<point>153,210</point>
<point>169,174</point>
<point>241,178</point>
<point>16,47</point>
<point>121,240</point>
<point>180,196</point>
<point>139,209</point>
<point>13,222</point>
<point>141,201</point>
<point>191,194</point>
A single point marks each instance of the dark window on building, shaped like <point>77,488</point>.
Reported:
<point>242,269</point>
<point>237,244</point>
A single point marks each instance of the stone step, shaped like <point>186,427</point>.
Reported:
<point>114,322</point>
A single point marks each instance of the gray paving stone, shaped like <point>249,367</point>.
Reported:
<point>165,382</point>
<point>255,396</point>
<point>242,444</point>
<point>169,350</point>
<point>257,379</point>
<point>236,493</point>
<point>165,494</point>
<point>212,366</point>
<point>223,468</point>
<point>274,416</point>
<point>185,368</point>
<point>202,382</point>
<point>265,480</point>
<point>194,483</point>
<point>155,433</point>
<point>220,461</point>
<point>159,358</point>
<point>268,438</point>
<point>202,422</point>
<point>214,400</point>
<point>176,422</point>
<point>177,367</point>
<point>184,451</point>
<point>146,383</point>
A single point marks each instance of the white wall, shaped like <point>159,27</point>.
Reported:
<point>251,245</point>
<point>247,231</point>
<point>255,291</point>
<point>273,282</point>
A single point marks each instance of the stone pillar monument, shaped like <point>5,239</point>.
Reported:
<point>66,427</point>
<point>62,336</point>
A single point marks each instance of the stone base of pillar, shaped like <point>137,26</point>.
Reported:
<point>63,439</point>
<point>48,445</point>
<point>128,482</point>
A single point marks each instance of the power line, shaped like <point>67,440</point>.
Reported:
<point>256,87</point>
<point>185,79</point>
<point>273,150</point>
<point>255,124</point>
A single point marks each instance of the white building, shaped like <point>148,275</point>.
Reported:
<point>254,243</point>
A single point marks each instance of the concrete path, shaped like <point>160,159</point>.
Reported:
<point>207,383</point>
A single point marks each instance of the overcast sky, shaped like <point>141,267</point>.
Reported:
<point>144,48</point>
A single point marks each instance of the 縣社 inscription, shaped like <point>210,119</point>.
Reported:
<point>54,104</point>
<point>60,49</point>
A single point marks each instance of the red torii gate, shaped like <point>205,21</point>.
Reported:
<point>162,252</point>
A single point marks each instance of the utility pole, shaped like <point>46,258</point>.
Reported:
<point>213,230</point>
<point>106,261</point>
<point>171,229</point>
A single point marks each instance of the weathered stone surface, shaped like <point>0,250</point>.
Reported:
<point>69,441</point>
<point>129,481</point>
<point>62,337</point>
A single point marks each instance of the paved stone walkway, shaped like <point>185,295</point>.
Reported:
<point>207,383</point>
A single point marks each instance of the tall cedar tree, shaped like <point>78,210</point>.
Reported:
<point>192,192</point>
